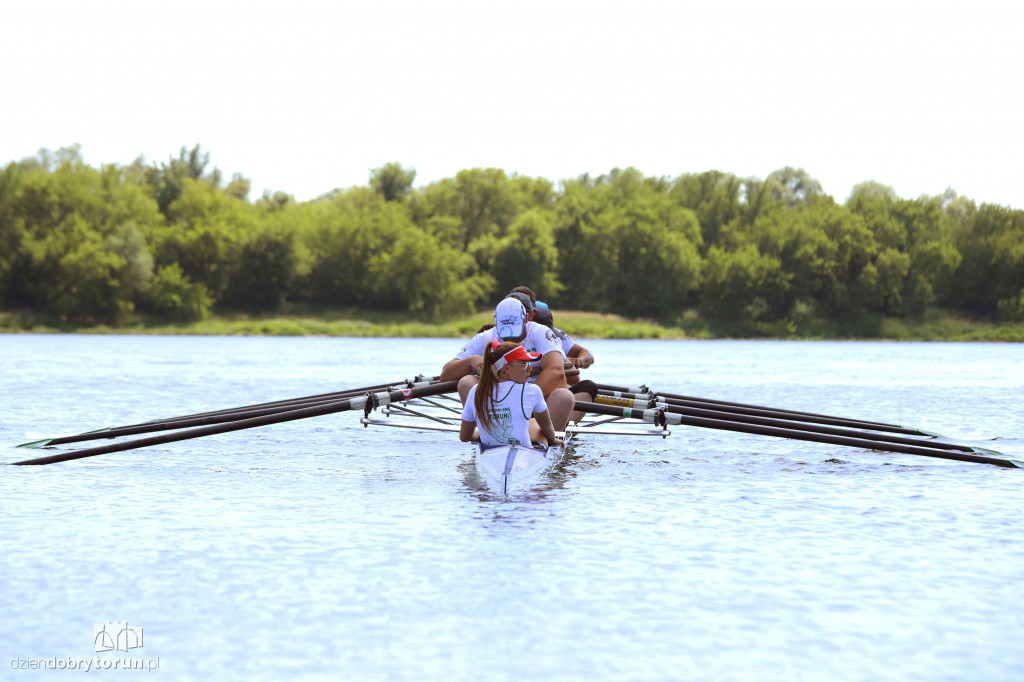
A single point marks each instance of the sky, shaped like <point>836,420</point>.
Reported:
<point>304,97</point>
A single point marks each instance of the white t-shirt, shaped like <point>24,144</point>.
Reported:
<point>566,340</point>
<point>539,339</point>
<point>513,405</point>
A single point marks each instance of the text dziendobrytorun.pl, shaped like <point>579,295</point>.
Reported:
<point>85,664</point>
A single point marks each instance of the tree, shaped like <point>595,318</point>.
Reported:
<point>365,251</point>
<point>714,197</point>
<point>991,274</point>
<point>168,180</point>
<point>792,186</point>
<point>204,232</point>
<point>264,270</point>
<point>170,294</point>
<point>392,181</point>
<point>626,246</point>
<point>82,247</point>
<point>483,200</point>
<point>733,281</point>
<point>915,241</point>
<point>11,230</point>
<point>527,255</point>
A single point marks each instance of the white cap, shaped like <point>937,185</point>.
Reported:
<point>510,319</point>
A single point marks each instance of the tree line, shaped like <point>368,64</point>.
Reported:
<point>175,240</point>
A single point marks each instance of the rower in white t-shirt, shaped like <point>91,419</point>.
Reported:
<point>513,323</point>
<point>504,408</point>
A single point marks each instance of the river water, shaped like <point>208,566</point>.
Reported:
<point>319,549</point>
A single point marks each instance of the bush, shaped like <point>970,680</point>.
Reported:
<point>171,294</point>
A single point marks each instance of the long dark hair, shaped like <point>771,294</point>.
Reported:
<point>483,401</point>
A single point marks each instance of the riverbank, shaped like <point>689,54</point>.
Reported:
<point>936,325</point>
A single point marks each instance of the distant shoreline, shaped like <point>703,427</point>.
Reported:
<point>936,325</point>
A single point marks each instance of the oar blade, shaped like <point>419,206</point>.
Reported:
<point>35,444</point>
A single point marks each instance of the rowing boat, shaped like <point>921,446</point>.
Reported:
<point>509,469</point>
<point>616,410</point>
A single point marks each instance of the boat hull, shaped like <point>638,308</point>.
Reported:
<point>512,468</point>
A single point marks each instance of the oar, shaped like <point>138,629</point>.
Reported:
<point>780,423</point>
<point>215,417</point>
<point>792,416</point>
<point>374,399</point>
<point>421,381</point>
<point>662,416</point>
<point>282,406</point>
<point>742,408</point>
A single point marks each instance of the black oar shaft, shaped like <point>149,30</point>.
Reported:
<point>323,396</point>
<point>276,418</point>
<point>720,407</point>
<point>218,416</point>
<point>866,443</point>
<point>641,404</point>
<point>809,427</point>
<point>724,403</point>
<point>280,406</point>
<point>182,423</point>
<point>791,416</point>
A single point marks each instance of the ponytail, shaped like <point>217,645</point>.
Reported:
<point>483,401</point>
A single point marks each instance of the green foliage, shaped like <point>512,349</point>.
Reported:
<point>991,274</point>
<point>527,255</point>
<point>167,181</point>
<point>736,283</point>
<point>392,181</point>
<point>625,246</point>
<point>483,202</point>
<point>170,294</point>
<point>714,197</point>
<point>203,234</point>
<point>264,271</point>
<point>365,251</point>
<point>76,239</point>
<point>737,256</point>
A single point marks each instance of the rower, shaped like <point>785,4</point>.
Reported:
<point>513,323</point>
<point>504,408</point>
<point>579,356</point>
<point>576,354</point>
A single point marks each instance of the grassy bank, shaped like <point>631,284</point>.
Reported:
<point>936,325</point>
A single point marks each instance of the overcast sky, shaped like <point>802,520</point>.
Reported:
<point>304,97</point>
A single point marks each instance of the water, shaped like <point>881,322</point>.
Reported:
<point>322,550</point>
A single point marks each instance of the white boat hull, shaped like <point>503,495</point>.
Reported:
<point>512,468</point>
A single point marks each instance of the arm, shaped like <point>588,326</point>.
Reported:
<point>468,430</point>
<point>466,360</point>
<point>544,421</point>
<point>580,356</point>
<point>552,372</point>
<point>456,369</point>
